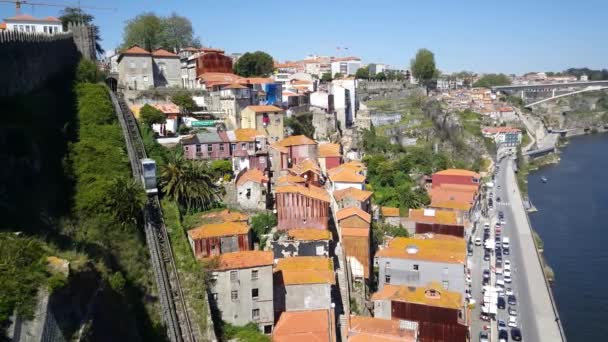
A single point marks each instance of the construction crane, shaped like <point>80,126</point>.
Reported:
<point>19,3</point>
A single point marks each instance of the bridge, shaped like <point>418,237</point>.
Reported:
<point>570,88</point>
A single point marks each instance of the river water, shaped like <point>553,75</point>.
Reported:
<point>573,222</point>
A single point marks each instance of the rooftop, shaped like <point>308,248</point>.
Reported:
<point>434,216</point>
<point>301,270</point>
<point>345,174</point>
<point>245,134</point>
<point>348,212</point>
<point>329,150</point>
<point>446,249</point>
<point>306,165</point>
<point>235,86</point>
<point>244,259</point>
<point>225,215</point>
<point>163,53</point>
<point>264,108</point>
<point>136,50</point>
<point>27,17</point>
<point>289,180</point>
<point>296,140</point>
<point>218,229</point>
<point>450,197</point>
<point>431,295</point>
<point>310,191</point>
<point>364,329</point>
<point>309,234</point>
<point>494,130</point>
<point>389,212</point>
<point>457,172</point>
<point>352,192</point>
<point>217,78</point>
<point>253,175</point>
<point>305,326</point>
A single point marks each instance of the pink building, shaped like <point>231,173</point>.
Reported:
<point>302,207</point>
<point>291,151</point>
<point>207,146</point>
<point>248,149</point>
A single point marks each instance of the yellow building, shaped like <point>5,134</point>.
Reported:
<point>267,120</point>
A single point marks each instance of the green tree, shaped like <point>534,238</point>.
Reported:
<point>338,76</point>
<point>184,100</point>
<point>145,30</point>
<point>221,168</point>
<point>177,33</point>
<point>326,77</point>
<point>380,76</point>
<point>125,200</point>
<point>189,183</point>
<point>77,15</point>
<point>262,224</point>
<point>88,72</point>
<point>362,73</point>
<point>491,80</point>
<point>150,115</point>
<point>254,64</point>
<point>423,66</point>
<point>301,125</point>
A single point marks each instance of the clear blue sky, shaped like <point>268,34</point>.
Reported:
<point>485,36</point>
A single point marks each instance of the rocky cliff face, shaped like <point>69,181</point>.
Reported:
<point>580,111</point>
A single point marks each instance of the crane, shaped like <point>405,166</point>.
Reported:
<point>19,3</point>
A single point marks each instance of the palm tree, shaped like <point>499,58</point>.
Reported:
<point>125,200</point>
<point>189,183</point>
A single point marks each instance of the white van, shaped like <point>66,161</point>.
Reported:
<point>505,242</point>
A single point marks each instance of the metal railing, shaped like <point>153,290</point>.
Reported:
<point>174,311</point>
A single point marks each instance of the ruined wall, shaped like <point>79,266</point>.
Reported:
<point>28,60</point>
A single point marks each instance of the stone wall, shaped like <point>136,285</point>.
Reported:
<point>28,60</point>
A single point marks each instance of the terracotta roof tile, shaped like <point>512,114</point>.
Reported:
<point>309,234</point>
<point>389,212</point>
<point>494,130</point>
<point>305,326</point>
<point>329,150</point>
<point>433,216</point>
<point>348,212</point>
<point>253,175</point>
<point>256,80</point>
<point>225,215</point>
<point>246,134</point>
<point>215,78</point>
<point>289,180</point>
<point>218,229</point>
<point>27,17</point>
<point>352,192</point>
<point>300,82</point>
<point>296,140</point>
<point>304,166</point>
<point>377,329</point>
<point>306,270</point>
<point>163,53</point>
<point>244,259</point>
<point>310,191</point>
<point>235,86</point>
<point>447,249</point>
<point>264,108</point>
<point>358,232</point>
<point>276,146</point>
<point>451,197</point>
<point>2,26</point>
<point>421,295</point>
<point>457,172</point>
<point>345,174</point>
<point>136,50</point>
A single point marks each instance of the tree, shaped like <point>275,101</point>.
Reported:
<point>77,15</point>
<point>423,66</point>
<point>125,200</point>
<point>262,224</point>
<point>150,115</point>
<point>184,100</point>
<point>380,76</point>
<point>491,80</point>
<point>362,73</point>
<point>326,77</point>
<point>221,168</point>
<point>254,64</point>
<point>178,33</point>
<point>189,183</point>
<point>88,72</point>
<point>301,125</point>
<point>145,30</point>
<point>338,76</point>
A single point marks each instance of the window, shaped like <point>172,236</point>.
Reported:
<point>234,295</point>
<point>415,267</point>
<point>445,270</point>
<point>233,147</point>
<point>387,279</point>
<point>222,147</point>
<point>243,146</point>
<point>255,314</point>
<point>254,274</point>
<point>446,284</point>
<point>145,79</point>
<point>234,276</point>
<point>255,293</point>
<point>248,193</point>
<point>45,28</point>
<point>198,148</point>
<point>132,65</point>
<point>209,148</point>
<point>268,329</point>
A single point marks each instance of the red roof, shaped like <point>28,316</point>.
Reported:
<point>27,17</point>
<point>494,130</point>
<point>163,53</point>
<point>136,50</point>
<point>305,326</point>
<point>348,212</point>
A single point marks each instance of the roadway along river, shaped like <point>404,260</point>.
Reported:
<point>573,223</point>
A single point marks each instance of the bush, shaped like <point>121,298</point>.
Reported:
<point>262,224</point>
<point>184,100</point>
<point>88,72</point>
<point>150,115</point>
<point>247,333</point>
<point>221,168</point>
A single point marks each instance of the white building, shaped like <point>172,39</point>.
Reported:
<point>376,69</point>
<point>27,23</point>
<point>345,66</point>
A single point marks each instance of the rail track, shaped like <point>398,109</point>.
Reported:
<point>174,309</point>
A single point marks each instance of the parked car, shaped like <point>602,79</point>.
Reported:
<point>516,334</point>
<point>503,335</point>
<point>497,199</point>
<point>507,279</point>
<point>512,300</point>
<point>477,241</point>
<point>501,324</point>
<point>499,257</point>
<point>507,273</point>
<point>502,303</point>
<point>512,311</point>
<point>500,283</point>
<point>506,251</point>
<point>507,264</point>
<point>486,274</point>
<point>486,256</point>
<point>509,291</point>
<point>512,321</point>
<point>483,336</point>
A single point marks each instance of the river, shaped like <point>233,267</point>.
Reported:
<point>572,221</point>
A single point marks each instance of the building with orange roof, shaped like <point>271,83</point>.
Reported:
<point>249,149</point>
<point>252,190</point>
<point>372,329</point>
<point>456,190</point>
<point>171,112</point>
<point>225,215</point>
<point>306,326</point>
<point>435,221</point>
<point>330,156</point>
<point>354,228</point>
<point>302,206</point>
<point>344,176</point>
<point>455,176</point>
<point>29,24</point>
<point>302,242</point>
<point>505,137</point>
<point>392,216</point>
<point>423,259</point>
<point>213,239</point>
<point>303,283</point>
<point>267,120</point>
<point>140,69</point>
<point>309,170</point>
<point>241,287</point>
<point>290,151</point>
<point>440,313</point>
<point>353,197</point>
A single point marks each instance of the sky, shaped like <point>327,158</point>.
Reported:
<point>513,36</point>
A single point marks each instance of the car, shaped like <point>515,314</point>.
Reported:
<point>512,322</point>
<point>501,303</point>
<point>503,335</point>
<point>498,270</point>
<point>477,241</point>
<point>512,311</point>
<point>502,222</point>
<point>507,273</point>
<point>483,336</point>
<point>506,251</point>
<point>470,252</point>
<point>486,256</point>
<point>509,291</point>
<point>501,214</point>
<point>516,334</point>
<point>486,274</point>
<point>512,300</point>
<point>497,199</point>
<point>507,264</point>
<point>507,279</point>
<point>498,243</point>
<point>499,257</point>
<point>502,324</point>
<point>500,283</point>
<point>505,244</point>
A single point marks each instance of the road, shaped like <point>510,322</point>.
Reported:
<point>536,316</point>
